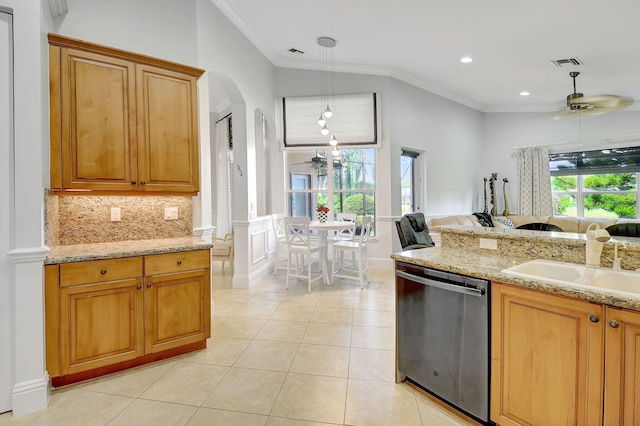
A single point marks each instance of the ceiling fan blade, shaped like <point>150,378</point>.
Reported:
<point>611,102</point>
<point>576,113</point>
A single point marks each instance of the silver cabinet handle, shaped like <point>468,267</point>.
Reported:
<point>443,286</point>
<point>594,318</point>
<point>614,324</point>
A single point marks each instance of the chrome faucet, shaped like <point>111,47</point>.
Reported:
<point>595,241</point>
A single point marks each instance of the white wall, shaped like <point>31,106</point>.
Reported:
<point>161,28</point>
<point>505,131</point>
<point>450,135</point>
<point>247,77</point>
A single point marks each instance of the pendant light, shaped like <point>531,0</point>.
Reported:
<point>327,98</point>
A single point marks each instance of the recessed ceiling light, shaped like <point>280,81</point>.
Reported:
<point>466,60</point>
<point>525,93</point>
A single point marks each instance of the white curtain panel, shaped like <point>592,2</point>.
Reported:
<point>534,181</point>
<point>223,200</point>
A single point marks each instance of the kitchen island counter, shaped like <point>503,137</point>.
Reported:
<point>488,265</point>
<point>121,249</point>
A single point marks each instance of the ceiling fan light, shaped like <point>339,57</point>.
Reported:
<point>324,130</point>
<point>333,141</point>
<point>321,121</point>
<point>327,112</point>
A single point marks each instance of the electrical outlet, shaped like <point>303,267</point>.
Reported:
<point>487,243</point>
<point>115,214</point>
<point>170,213</point>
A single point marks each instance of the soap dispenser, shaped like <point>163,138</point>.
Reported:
<point>595,241</point>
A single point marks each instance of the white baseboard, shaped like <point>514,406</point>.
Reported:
<point>30,396</point>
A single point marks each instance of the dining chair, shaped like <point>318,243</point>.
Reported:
<point>346,233</point>
<point>222,250</point>
<point>277,220</point>
<point>359,268</point>
<point>301,246</point>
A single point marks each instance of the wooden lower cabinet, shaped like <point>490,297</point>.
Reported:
<point>100,324</point>
<point>622,367</point>
<point>95,326</point>
<point>176,310</point>
<point>547,359</point>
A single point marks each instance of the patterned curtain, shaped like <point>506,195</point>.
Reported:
<point>534,181</point>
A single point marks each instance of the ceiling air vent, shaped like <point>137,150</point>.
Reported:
<point>569,61</point>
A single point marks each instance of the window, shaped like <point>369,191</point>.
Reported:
<point>351,189</point>
<point>596,183</point>
<point>408,177</point>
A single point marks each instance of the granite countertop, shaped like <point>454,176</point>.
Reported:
<point>566,238</point>
<point>489,266</point>
<point>120,249</point>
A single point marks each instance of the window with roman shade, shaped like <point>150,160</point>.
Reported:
<point>598,183</point>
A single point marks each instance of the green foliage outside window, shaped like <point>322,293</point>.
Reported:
<point>599,192</point>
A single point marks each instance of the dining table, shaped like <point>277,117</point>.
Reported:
<point>322,229</point>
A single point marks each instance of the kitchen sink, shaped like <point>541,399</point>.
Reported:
<point>576,274</point>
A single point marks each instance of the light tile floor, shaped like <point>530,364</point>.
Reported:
<point>275,357</point>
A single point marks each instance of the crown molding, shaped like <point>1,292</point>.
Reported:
<point>58,8</point>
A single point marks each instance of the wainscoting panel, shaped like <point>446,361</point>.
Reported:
<point>258,246</point>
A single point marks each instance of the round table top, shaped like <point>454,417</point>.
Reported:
<point>330,224</point>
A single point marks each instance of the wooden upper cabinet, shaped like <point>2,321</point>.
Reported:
<point>98,122</point>
<point>121,121</point>
<point>167,129</point>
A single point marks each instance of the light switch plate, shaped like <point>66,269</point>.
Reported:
<point>487,243</point>
<point>116,214</point>
<point>170,213</point>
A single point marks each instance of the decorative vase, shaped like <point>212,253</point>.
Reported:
<point>322,217</point>
<point>506,202</point>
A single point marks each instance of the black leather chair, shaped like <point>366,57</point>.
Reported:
<point>413,232</point>
<point>536,226</point>
<point>624,230</point>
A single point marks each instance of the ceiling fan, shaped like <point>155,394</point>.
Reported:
<point>580,105</point>
<point>317,162</point>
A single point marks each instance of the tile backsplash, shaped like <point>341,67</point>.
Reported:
<point>79,219</point>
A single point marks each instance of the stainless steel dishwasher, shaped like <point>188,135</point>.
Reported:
<point>443,336</point>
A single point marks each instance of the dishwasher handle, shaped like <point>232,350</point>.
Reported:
<point>476,292</point>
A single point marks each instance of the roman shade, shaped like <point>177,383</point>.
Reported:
<point>611,160</point>
<point>355,121</point>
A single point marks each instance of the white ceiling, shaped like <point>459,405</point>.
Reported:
<point>421,42</point>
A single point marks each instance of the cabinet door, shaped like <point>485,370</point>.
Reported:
<point>546,359</point>
<point>622,368</point>
<point>177,309</point>
<point>100,324</point>
<point>98,122</point>
<point>167,130</point>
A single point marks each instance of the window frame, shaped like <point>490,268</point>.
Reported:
<point>330,190</point>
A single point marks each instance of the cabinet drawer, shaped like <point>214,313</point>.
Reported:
<point>176,262</point>
<point>98,271</point>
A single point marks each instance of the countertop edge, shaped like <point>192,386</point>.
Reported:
<point>103,251</point>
